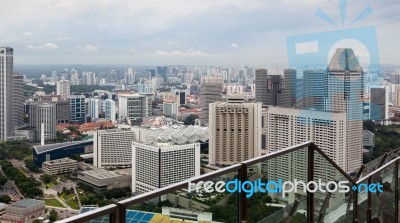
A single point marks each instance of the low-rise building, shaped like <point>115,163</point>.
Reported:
<point>24,211</point>
<point>102,180</point>
<point>368,142</point>
<point>64,165</point>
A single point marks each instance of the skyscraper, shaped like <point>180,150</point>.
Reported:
<point>134,107</point>
<point>210,92</point>
<point>344,92</point>
<point>18,100</point>
<point>109,110</point>
<point>94,107</point>
<point>235,132</point>
<point>379,104</point>
<point>46,113</point>
<point>313,89</point>
<point>130,76</point>
<point>77,108</point>
<point>6,92</point>
<point>276,89</point>
<point>63,89</point>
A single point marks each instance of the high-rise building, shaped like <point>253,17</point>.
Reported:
<point>130,76</point>
<point>113,148</point>
<point>6,92</point>
<point>170,109</point>
<point>163,71</point>
<point>285,127</point>
<point>313,89</point>
<point>395,78</point>
<point>63,89</point>
<point>18,100</point>
<point>210,92</point>
<point>134,107</point>
<point>235,132</point>
<point>180,95</point>
<point>276,89</point>
<point>94,107</point>
<point>44,113</point>
<point>89,78</point>
<point>77,108</point>
<point>379,104</point>
<point>157,166</point>
<point>344,93</point>
<point>109,110</point>
<point>63,111</point>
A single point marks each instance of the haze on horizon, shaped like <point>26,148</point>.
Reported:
<point>226,32</point>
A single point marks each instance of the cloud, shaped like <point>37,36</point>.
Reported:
<point>189,52</point>
<point>47,46</point>
<point>234,45</point>
<point>28,34</point>
<point>88,47</point>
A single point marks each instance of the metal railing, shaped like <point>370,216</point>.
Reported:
<point>118,212</point>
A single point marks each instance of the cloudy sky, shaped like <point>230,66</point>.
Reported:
<point>147,32</point>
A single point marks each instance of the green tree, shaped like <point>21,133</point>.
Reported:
<point>53,216</point>
<point>190,120</point>
<point>3,180</point>
<point>46,178</point>
<point>31,165</point>
<point>5,199</point>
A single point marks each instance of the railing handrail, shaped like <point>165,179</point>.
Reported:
<point>276,153</point>
<point>176,186</point>
<point>90,215</point>
<point>378,170</point>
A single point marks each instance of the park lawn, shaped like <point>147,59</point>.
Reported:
<point>69,199</point>
<point>53,202</point>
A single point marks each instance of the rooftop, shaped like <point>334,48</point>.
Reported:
<point>46,148</point>
<point>101,174</point>
<point>63,160</point>
<point>26,203</point>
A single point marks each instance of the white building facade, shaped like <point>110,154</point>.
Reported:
<point>157,166</point>
<point>113,148</point>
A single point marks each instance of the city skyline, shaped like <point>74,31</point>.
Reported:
<point>202,32</point>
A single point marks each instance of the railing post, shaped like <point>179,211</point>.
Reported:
<point>355,205</point>
<point>369,201</point>
<point>121,209</point>
<point>242,196</point>
<point>310,177</point>
<point>396,192</point>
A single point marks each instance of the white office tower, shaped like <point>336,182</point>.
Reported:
<point>113,148</point>
<point>235,132</point>
<point>6,92</point>
<point>344,93</point>
<point>133,107</point>
<point>287,127</point>
<point>94,107</point>
<point>210,92</point>
<point>162,164</point>
<point>130,76</point>
<point>109,109</point>
<point>44,115</point>
<point>74,77</point>
<point>63,89</point>
<point>90,78</point>
<point>170,109</point>
<point>54,77</point>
